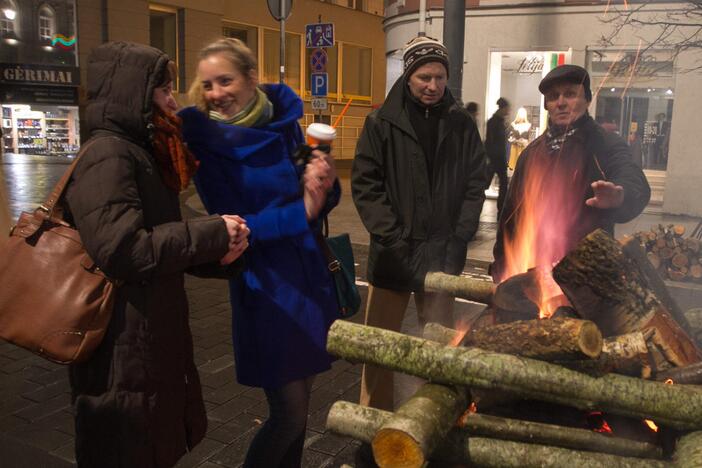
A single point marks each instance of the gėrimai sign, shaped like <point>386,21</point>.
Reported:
<point>16,73</point>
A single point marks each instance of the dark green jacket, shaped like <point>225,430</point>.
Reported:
<point>417,225</point>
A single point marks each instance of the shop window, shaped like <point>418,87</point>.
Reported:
<point>356,72</point>
<point>8,19</point>
<point>332,66</point>
<point>163,31</point>
<point>633,97</point>
<point>47,23</point>
<point>246,34</point>
<point>271,58</point>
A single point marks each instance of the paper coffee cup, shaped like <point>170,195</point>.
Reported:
<point>320,134</point>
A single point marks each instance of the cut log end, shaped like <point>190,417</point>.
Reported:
<point>590,340</point>
<point>394,448</point>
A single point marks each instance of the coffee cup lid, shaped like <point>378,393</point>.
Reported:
<point>321,131</point>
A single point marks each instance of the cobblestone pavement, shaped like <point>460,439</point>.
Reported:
<point>36,426</point>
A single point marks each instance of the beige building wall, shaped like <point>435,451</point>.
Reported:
<point>203,20</point>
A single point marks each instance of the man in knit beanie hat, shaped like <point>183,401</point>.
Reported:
<point>418,183</point>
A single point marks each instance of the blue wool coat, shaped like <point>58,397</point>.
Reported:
<point>284,301</point>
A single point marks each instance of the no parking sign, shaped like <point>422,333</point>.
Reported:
<point>318,60</point>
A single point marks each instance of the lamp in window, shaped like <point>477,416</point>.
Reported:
<point>10,38</point>
<point>9,13</point>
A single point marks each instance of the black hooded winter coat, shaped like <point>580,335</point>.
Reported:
<point>138,401</point>
<point>416,224</point>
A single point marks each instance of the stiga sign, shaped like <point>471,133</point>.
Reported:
<point>14,73</point>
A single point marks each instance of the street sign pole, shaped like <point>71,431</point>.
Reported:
<point>282,41</point>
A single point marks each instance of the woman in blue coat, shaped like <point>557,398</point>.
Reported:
<point>284,302</point>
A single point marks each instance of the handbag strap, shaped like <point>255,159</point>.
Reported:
<point>333,263</point>
<point>60,187</point>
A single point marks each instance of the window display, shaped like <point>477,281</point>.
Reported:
<point>40,130</point>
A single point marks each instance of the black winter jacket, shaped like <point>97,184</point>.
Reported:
<point>605,156</point>
<point>417,225</point>
<point>496,142</point>
<point>138,401</point>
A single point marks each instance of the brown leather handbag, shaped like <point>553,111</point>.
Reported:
<point>54,300</point>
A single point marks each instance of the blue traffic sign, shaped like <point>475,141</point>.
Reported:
<point>319,35</point>
<point>318,83</point>
<point>318,60</point>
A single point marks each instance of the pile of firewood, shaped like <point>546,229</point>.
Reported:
<point>674,256</point>
<point>612,358</point>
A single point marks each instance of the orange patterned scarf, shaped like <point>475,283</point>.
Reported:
<point>176,162</point>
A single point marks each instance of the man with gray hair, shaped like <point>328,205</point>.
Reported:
<point>418,183</point>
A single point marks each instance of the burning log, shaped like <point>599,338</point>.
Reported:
<point>460,286</point>
<point>411,434</point>
<point>674,405</point>
<point>688,452</point>
<point>608,287</point>
<point>559,436</point>
<point>624,354</point>
<point>512,302</point>
<point>362,423</point>
<point>557,339</point>
<point>690,375</point>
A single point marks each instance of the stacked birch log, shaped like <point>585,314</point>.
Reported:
<point>673,255</point>
<point>623,328</point>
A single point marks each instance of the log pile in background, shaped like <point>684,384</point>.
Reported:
<point>673,255</point>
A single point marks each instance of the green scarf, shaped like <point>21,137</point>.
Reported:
<point>256,113</point>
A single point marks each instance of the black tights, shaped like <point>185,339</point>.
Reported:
<point>279,443</point>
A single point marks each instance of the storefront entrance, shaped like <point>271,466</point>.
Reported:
<point>515,76</point>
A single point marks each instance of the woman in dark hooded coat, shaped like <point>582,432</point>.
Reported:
<point>137,400</point>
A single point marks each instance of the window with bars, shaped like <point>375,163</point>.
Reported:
<point>245,33</point>
<point>270,65</point>
<point>46,23</point>
<point>163,33</point>
<point>8,17</point>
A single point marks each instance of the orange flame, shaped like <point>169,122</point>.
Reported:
<point>603,426</point>
<point>462,420</point>
<point>651,425</point>
<point>543,224</point>
<point>462,327</point>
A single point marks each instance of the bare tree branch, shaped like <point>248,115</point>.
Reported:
<point>658,27</point>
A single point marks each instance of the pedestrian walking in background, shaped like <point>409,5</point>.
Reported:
<point>284,302</point>
<point>137,400</point>
<point>496,149</point>
<point>418,182</point>
<point>574,178</point>
<point>473,110</point>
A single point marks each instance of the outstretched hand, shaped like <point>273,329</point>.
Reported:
<point>607,195</point>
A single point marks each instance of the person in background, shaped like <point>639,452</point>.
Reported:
<point>283,304</point>
<point>496,149</point>
<point>576,176</point>
<point>473,110</point>
<point>418,183</point>
<point>137,399</point>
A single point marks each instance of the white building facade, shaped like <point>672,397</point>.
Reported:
<point>646,94</point>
